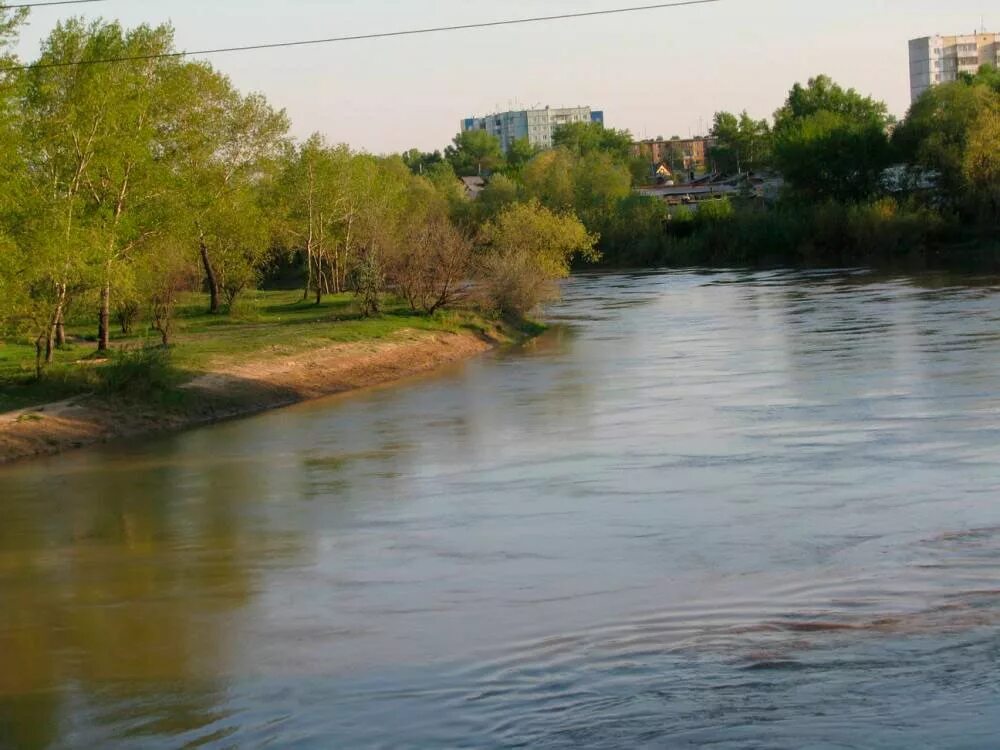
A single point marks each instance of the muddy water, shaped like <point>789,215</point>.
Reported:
<point>737,510</point>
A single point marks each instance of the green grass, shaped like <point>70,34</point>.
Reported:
<point>272,323</point>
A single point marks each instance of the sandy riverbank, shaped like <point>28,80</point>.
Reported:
<point>232,391</point>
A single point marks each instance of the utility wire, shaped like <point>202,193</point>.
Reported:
<point>5,6</point>
<point>358,37</point>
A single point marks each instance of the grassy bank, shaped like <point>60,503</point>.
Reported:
<point>267,325</point>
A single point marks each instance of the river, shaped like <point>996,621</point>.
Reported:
<point>737,510</point>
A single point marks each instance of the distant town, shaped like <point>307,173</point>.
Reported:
<point>681,170</point>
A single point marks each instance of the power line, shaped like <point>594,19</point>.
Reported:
<point>359,37</point>
<point>4,6</point>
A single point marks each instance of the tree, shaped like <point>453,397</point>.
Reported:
<point>821,94</point>
<point>383,193</point>
<point>635,230</point>
<point>548,178</point>
<point>520,153</point>
<point>742,143</point>
<point>239,232</point>
<point>10,133</point>
<point>475,152</point>
<point>936,134</point>
<point>432,265</point>
<point>590,139</point>
<point>831,143</point>
<point>90,162</point>
<point>526,249</point>
<point>981,165</point>
<point>585,138</point>
<point>600,182</point>
<point>419,161</point>
<point>500,192</point>
<point>316,196</point>
<point>162,279</point>
<point>589,185</point>
<point>228,145</point>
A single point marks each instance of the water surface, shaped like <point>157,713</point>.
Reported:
<point>735,510</point>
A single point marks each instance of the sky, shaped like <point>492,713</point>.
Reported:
<point>656,73</point>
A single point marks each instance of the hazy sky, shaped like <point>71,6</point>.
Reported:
<point>661,72</point>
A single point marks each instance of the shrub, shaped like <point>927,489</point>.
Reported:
<point>431,267</point>
<point>137,373</point>
<point>527,249</point>
<point>367,279</point>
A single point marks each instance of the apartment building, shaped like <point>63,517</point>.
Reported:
<point>941,59</point>
<point>537,125</point>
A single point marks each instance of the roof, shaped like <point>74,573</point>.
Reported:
<point>473,185</point>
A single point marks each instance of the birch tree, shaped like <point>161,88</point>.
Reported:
<point>228,144</point>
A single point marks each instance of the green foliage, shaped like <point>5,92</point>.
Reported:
<point>421,162</point>
<point>127,188</point>
<point>527,247</point>
<point>831,143</point>
<point>947,133</point>
<point>586,138</point>
<point>589,185</point>
<point>475,152</point>
<point>825,233</point>
<point>981,163</point>
<point>719,209</point>
<point>634,232</point>
<point>821,94</point>
<point>367,279</point>
<point>520,153</point>
<point>138,374</point>
<point>743,144</point>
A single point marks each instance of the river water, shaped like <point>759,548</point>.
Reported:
<point>737,510</point>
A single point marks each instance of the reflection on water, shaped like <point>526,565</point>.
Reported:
<point>738,509</point>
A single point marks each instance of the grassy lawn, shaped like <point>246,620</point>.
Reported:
<point>273,323</point>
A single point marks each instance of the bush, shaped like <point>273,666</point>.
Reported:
<point>137,373</point>
<point>367,279</point>
<point>527,248</point>
<point>431,267</point>
<point>719,209</point>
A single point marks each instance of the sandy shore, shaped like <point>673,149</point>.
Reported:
<point>232,391</point>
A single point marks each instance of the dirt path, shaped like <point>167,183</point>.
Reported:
<point>233,390</point>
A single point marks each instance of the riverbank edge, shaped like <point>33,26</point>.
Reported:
<point>251,387</point>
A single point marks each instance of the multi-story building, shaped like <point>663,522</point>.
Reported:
<point>537,125</point>
<point>678,154</point>
<point>941,59</point>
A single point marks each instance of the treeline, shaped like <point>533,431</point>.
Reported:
<point>858,186</point>
<point>861,187</point>
<point>125,186</point>
<point>590,172</point>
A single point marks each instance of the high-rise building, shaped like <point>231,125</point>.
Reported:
<point>940,59</point>
<point>537,125</point>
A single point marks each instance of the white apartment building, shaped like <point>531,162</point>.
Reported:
<point>537,125</point>
<point>940,59</point>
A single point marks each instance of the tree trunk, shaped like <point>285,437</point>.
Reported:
<point>60,317</point>
<point>52,336</point>
<point>38,357</point>
<point>319,279</point>
<point>309,272</point>
<point>61,330</point>
<point>210,278</point>
<point>104,319</point>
